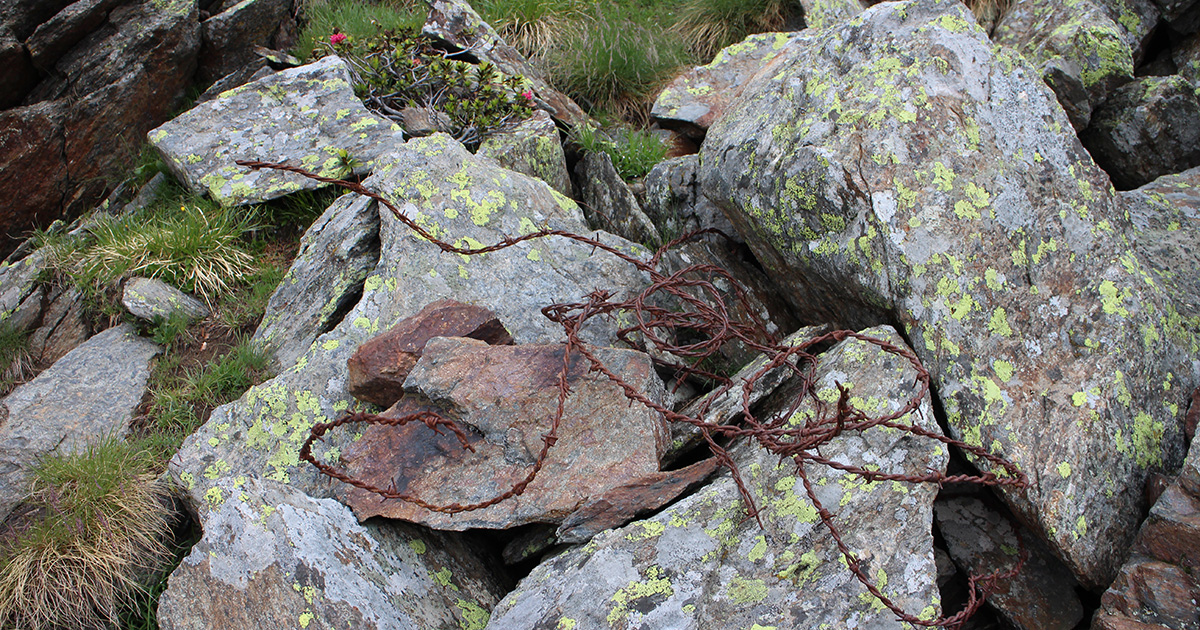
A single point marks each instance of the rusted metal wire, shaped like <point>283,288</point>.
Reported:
<point>698,307</point>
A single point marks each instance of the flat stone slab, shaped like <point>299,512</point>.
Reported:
<point>306,116</point>
<point>272,557</point>
<point>88,394</point>
<point>505,398</point>
<point>336,254</point>
<point>702,563</point>
<point>147,298</point>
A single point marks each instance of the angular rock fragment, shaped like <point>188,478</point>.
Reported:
<point>622,504</point>
<point>674,202</point>
<point>698,97</point>
<point>1083,55</point>
<point>532,148</point>
<point>61,328</point>
<point>1040,597</point>
<point>609,204</point>
<point>702,563</point>
<point>336,254</point>
<point>995,242</point>
<point>229,37</point>
<point>18,282</point>
<point>505,398</point>
<point>1145,130</point>
<point>1166,227</point>
<point>88,394</point>
<point>1157,589</point>
<point>308,116</point>
<point>273,557</point>
<point>147,298</point>
<point>377,370</point>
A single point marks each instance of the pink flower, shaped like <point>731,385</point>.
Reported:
<point>528,94</point>
<point>337,38</point>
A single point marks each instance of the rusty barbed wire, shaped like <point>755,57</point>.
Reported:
<point>708,316</point>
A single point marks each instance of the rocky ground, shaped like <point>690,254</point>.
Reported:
<point>1000,208</point>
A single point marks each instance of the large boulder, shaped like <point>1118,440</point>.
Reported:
<point>81,123</point>
<point>902,168</point>
<point>531,147</point>
<point>89,394</point>
<point>456,196</point>
<point>308,116</point>
<point>1145,130</point>
<point>703,563</point>
<point>275,557</point>
<point>1082,53</point>
<point>230,37</point>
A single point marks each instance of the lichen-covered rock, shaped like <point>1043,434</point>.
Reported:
<point>1186,55</point>
<point>533,148</point>
<point>701,563</point>
<point>336,254</point>
<point>456,196</point>
<point>1083,55</point>
<point>504,397</point>
<point>18,283</point>
<point>609,204</point>
<point>1145,130</point>
<point>1166,224</point>
<point>902,168</point>
<point>1182,15</point>
<point>88,394</point>
<point>696,98</point>
<point>1042,594</point>
<point>273,557</point>
<point>147,298</point>
<point>824,13</point>
<point>308,116</point>
<point>1137,18</point>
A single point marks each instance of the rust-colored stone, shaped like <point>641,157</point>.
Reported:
<point>505,398</point>
<point>621,505</point>
<point>1172,532</point>
<point>1155,592</point>
<point>378,368</point>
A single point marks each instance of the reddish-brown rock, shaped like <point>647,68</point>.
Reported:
<point>378,368</point>
<point>621,505</point>
<point>505,398</point>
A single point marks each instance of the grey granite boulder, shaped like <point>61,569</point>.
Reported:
<point>336,253</point>
<point>20,297</point>
<point>308,116</point>
<point>1145,130</point>
<point>88,394</point>
<point>1186,55</point>
<point>702,563</point>
<point>994,241</point>
<point>273,557</point>
<point>531,147</point>
<point>147,298</point>
<point>696,98</point>
<point>1082,53</point>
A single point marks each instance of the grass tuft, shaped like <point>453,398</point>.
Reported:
<point>357,19</point>
<point>615,61</point>
<point>531,26</point>
<point>16,363</point>
<point>633,152</point>
<point>710,25</point>
<point>95,523</point>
